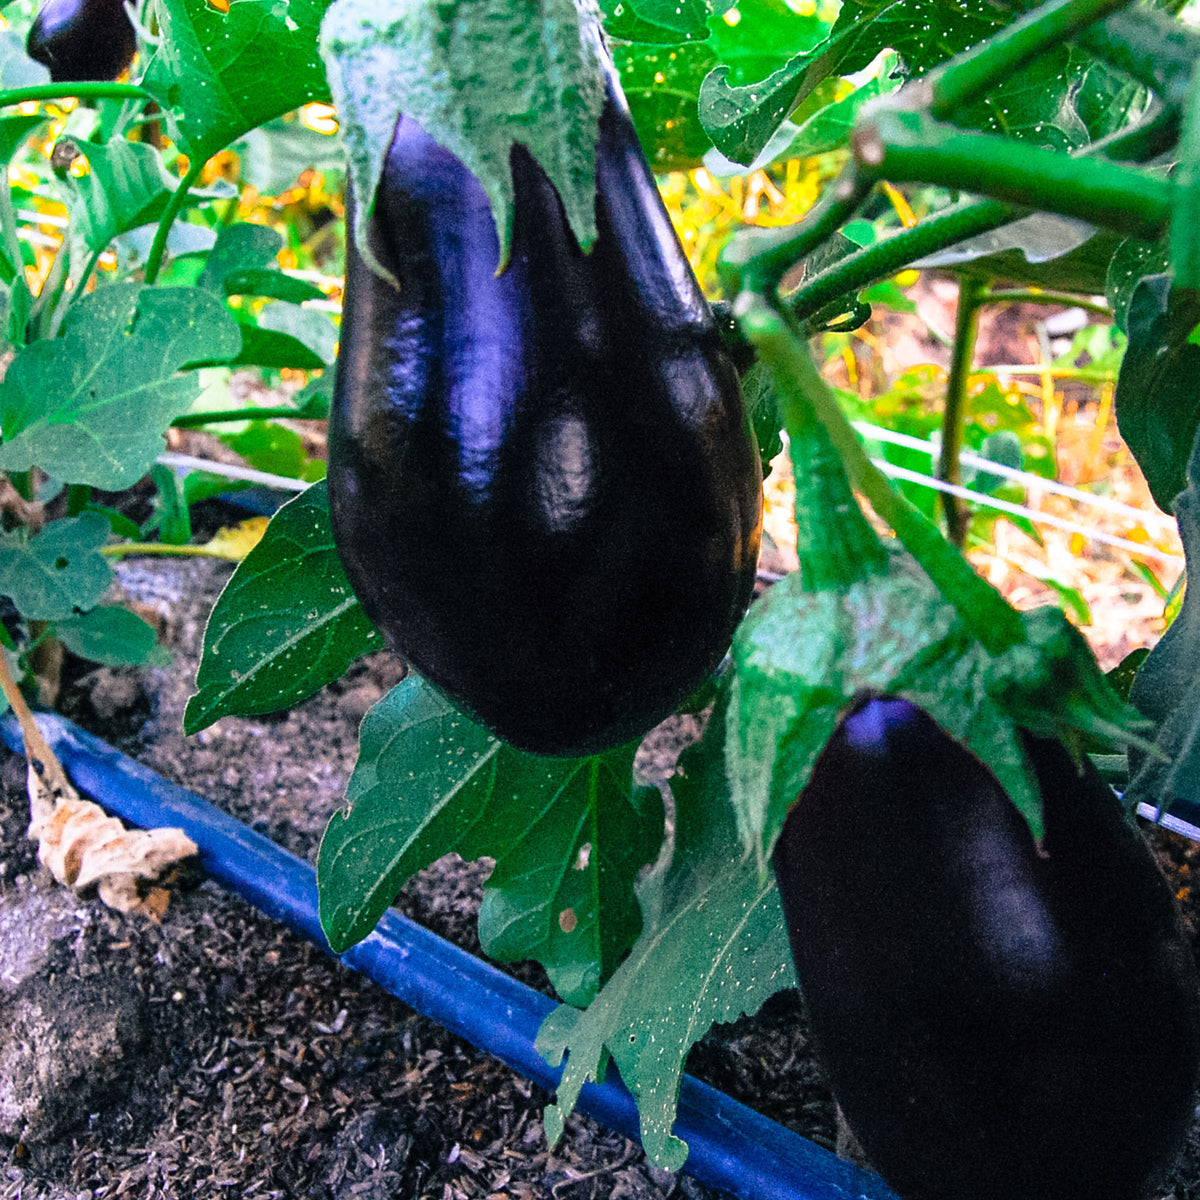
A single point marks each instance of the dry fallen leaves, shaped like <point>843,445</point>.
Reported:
<point>79,843</point>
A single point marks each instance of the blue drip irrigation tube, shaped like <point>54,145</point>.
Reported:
<point>731,1147</point>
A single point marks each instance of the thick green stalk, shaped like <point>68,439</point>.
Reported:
<point>968,76</point>
<point>757,259</point>
<point>835,543</point>
<point>909,146</point>
<point>972,295</point>
<point>989,617</point>
<point>895,252</point>
<point>174,206</point>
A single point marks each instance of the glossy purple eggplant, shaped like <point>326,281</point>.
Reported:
<point>82,39</point>
<point>543,485</point>
<point>998,1021</point>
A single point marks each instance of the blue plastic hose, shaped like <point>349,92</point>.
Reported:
<point>731,1147</point>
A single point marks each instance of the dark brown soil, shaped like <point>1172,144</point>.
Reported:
<point>260,1068</point>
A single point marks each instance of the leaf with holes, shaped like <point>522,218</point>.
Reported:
<point>568,837</point>
<point>58,572</point>
<point>93,405</point>
<point>286,624</point>
<point>712,947</point>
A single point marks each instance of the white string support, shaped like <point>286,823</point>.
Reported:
<point>970,458</point>
<point>1020,510</point>
<point>188,462</point>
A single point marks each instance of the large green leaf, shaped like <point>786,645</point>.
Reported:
<point>1157,399</point>
<point>92,406</point>
<point>741,117</point>
<point>492,73</point>
<point>286,624</point>
<point>568,837</point>
<point>220,74</point>
<point>60,571</point>
<point>713,946</point>
<point>126,186</point>
<point>240,248</point>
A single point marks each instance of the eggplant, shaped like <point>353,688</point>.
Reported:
<point>997,1020</point>
<point>542,482</point>
<point>82,39</point>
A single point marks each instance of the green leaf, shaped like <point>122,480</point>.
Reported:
<point>274,155</point>
<point>713,946</point>
<point>125,187</point>
<point>1157,400</point>
<point>262,281</point>
<point>240,248</point>
<point>111,635</point>
<point>92,406</point>
<point>492,73</point>
<point>801,656</point>
<point>567,835</point>
<point>1131,262</point>
<point>741,116</point>
<point>286,624</point>
<point>17,69</point>
<point>59,570</point>
<point>663,21</point>
<point>220,74</point>
<point>660,83</point>
<point>269,446</point>
<point>15,131</point>
<point>308,326</point>
<point>829,128</point>
<point>272,348</point>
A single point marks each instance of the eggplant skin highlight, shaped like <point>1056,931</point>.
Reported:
<point>82,40</point>
<point>543,486</point>
<point>997,1021</point>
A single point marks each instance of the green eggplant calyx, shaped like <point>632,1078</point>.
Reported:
<point>1052,686</point>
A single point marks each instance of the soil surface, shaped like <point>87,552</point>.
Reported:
<point>219,1054</point>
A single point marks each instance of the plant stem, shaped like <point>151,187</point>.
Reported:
<point>756,259</point>
<point>120,549</point>
<point>194,420</point>
<point>988,616</point>
<point>972,295</point>
<point>37,752</point>
<point>81,91</point>
<point>908,146</point>
<point>892,253</point>
<point>1036,296</point>
<point>835,543</point>
<point>174,207</point>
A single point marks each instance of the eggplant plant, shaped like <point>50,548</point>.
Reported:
<point>544,492</point>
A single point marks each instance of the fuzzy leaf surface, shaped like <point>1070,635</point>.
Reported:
<point>493,73</point>
<point>93,405</point>
<point>429,781</point>
<point>286,624</point>
<point>713,946</point>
